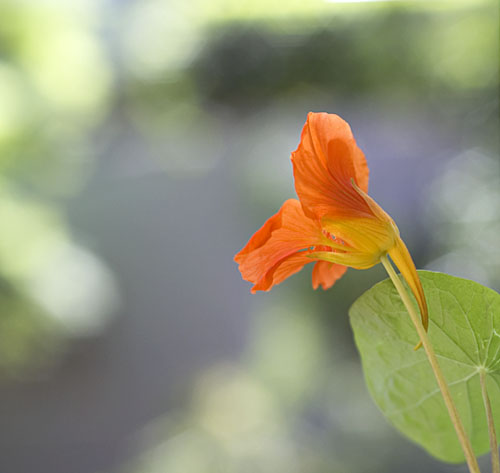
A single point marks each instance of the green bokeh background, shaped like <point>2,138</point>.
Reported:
<point>141,144</point>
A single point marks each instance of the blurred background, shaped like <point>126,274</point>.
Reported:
<point>142,142</point>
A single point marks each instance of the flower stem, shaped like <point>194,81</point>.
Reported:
<point>443,386</point>
<point>495,461</point>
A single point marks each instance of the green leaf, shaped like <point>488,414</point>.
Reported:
<point>465,332</point>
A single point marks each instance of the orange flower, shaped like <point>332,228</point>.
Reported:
<point>334,223</point>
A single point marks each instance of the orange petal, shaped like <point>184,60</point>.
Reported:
<point>325,274</point>
<point>260,237</point>
<point>284,234</point>
<point>325,162</point>
<point>282,270</point>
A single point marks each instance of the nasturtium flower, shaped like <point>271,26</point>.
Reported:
<point>334,224</point>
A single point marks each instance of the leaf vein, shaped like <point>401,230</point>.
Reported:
<point>429,395</point>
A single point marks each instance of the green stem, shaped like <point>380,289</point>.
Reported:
<point>495,461</point>
<point>443,386</point>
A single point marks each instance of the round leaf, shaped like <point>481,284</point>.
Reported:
<point>465,332</point>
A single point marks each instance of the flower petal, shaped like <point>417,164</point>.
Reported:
<point>325,162</point>
<point>284,234</point>
<point>260,237</point>
<point>325,274</point>
<point>282,270</point>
